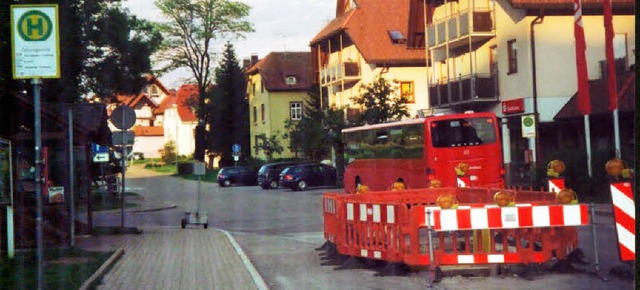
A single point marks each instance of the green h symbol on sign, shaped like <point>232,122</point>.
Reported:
<point>34,26</point>
<point>39,25</point>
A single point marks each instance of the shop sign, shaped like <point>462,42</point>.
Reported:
<point>513,106</point>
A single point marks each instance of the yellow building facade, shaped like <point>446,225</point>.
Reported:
<point>277,88</point>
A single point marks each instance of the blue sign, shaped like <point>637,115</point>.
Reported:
<point>100,153</point>
<point>235,148</point>
<point>95,148</point>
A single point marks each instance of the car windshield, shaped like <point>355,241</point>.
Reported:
<point>263,169</point>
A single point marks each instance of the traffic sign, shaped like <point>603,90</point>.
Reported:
<point>235,148</point>
<point>100,153</point>
<point>528,126</point>
<point>123,137</point>
<point>35,44</point>
<point>123,117</point>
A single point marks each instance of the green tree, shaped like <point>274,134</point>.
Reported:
<point>269,145</point>
<point>381,102</point>
<point>169,153</point>
<point>102,49</point>
<point>193,27</point>
<point>307,135</point>
<point>229,109</point>
<point>334,122</point>
<point>118,50</point>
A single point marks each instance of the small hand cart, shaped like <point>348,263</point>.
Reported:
<point>197,217</point>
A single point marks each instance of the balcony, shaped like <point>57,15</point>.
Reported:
<point>460,29</point>
<point>464,90</point>
<point>347,72</point>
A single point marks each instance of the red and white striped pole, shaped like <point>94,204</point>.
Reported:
<point>624,213</point>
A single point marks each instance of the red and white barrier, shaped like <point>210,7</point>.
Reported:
<point>624,213</point>
<point>371,212</point>
<point>520,216</point>
<point>556,184</point>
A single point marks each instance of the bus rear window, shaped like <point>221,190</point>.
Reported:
<point>463,132</point>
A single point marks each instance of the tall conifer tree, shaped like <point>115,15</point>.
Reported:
<point>229,108</point>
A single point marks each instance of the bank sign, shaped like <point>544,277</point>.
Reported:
<point>35,42</point>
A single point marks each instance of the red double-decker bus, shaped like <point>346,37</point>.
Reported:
<point>420,150</point>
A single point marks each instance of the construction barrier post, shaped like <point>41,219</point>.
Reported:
<point>594,235</point>
<point>625,217</point>
<point>432,268</point>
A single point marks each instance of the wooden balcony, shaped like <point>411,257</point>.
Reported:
<point>347,72</point>
<point>457,30</point>
<point>464,90</point>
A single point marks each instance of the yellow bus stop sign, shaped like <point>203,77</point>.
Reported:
<point>35,41</point>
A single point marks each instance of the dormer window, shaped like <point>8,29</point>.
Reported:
<point>153,92</point>
<point>290,80</point>
<point>397,37</point>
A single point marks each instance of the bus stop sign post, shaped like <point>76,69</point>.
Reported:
<point>35,48</point>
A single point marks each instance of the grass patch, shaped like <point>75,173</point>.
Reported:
<point>101,200</point>
<point>63,268</point>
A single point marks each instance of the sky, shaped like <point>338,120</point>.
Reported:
<point>280,25</point>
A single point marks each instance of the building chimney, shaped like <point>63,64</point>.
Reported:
<point>254,59</point>
<point>246,63</point>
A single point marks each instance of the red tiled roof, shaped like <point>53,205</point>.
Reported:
<point>185,92</point>
<point>277,66</point>
<point>368,27</point>
<point>600,97</point>
<point>167,102</point>
<point>148,131</point>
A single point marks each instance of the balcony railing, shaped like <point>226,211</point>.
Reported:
<point>477,24</point>
<point>346,71</point>
<point>464,90</point>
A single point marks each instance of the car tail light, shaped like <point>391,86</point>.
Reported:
<point>220,175</point>
<point>288,177</point>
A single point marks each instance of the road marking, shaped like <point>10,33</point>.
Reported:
<point>247,263</point>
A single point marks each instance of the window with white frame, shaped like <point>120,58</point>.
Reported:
<point>290,80</point>
<point>295,110</point>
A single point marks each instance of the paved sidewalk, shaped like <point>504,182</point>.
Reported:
<point>167,257</point>
<point>182,259</point>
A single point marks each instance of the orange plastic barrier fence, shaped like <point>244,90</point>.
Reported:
<point>395,227</point>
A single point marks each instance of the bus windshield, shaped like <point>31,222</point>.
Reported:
<point>463,132</point>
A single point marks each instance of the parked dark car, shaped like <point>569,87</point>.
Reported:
<point>236,175</point>
<point>302,176</point>
<point>269,174</point>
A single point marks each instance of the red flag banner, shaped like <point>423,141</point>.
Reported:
<point>611,69</point>
<point>584,99</point>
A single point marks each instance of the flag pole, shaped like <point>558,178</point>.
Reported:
<point>584,97</point>
<point>611,71</point>
<point>587,139</point>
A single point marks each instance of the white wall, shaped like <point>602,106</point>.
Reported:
<point>149,145</point>
<point>181,133</point>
